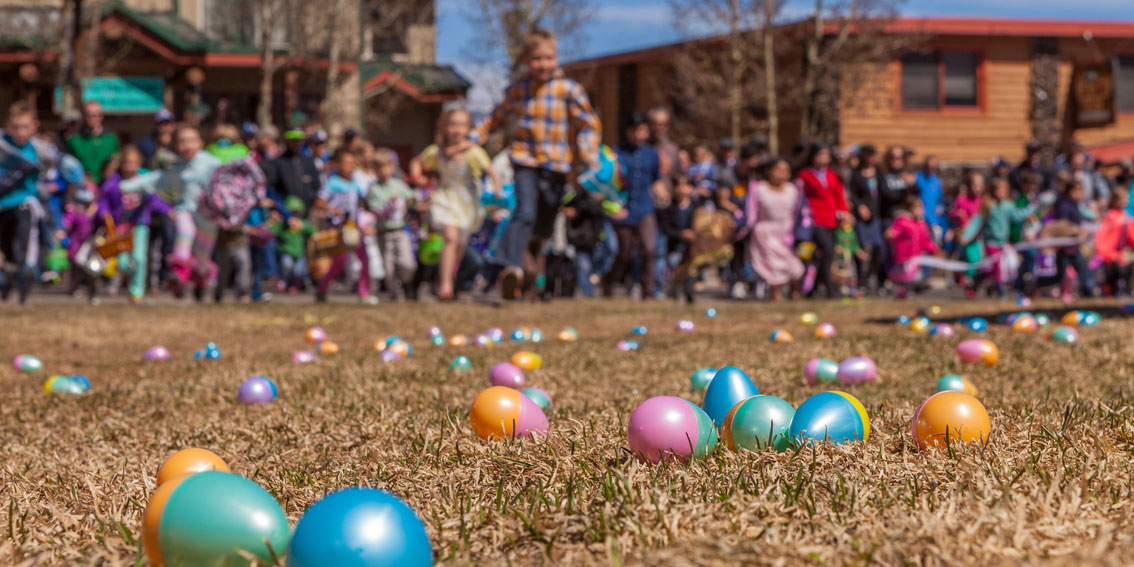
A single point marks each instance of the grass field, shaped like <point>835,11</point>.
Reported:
<point>1053,486</point>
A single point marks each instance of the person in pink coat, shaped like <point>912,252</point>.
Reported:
<point>909,238</point>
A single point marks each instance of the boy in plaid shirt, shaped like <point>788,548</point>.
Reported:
<point>540,110</point>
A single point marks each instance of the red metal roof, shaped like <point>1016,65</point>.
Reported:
<point>1012,27</point>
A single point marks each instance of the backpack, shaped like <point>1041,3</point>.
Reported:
<point>233,191</point>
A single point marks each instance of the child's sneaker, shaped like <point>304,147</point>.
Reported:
<point>369,300</point>
<point>511,282</point>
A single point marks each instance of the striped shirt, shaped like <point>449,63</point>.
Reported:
<point>541,119</point>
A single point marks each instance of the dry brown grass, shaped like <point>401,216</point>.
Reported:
<point>1052,488</point>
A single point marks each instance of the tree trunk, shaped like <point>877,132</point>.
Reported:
<point>331,104</point>
<point>72,13</point>
<point>770,78</point>
<point>735,94</point>
<point>810,69</point>
<point>267,64</point>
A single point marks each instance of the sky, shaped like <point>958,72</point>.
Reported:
<point>625,25</point>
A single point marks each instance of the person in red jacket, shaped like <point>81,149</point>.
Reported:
<point>1114,243</point>
<point>828,204</point>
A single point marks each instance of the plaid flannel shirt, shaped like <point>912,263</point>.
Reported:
<point>541,120</point>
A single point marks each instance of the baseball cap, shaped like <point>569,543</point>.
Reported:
<point>163,115</point>
<point>317,137</point>
<point>294,134</point>
<point>294,204</point>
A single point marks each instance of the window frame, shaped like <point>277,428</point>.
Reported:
<point>942,108</point>
<point>1117,58</point>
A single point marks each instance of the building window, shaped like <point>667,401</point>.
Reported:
<point>940,79</point>
<point>1124,84</point>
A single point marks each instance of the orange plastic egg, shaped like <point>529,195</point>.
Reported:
<point>950,416</point>
<point>189,461</point>
<point>504,413</point>
<point>527,360</point>
<point>458,340</point>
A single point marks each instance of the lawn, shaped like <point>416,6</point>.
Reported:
<point>1052,487</point>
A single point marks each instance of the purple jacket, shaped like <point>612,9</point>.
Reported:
<point>78,227</point>
<point>110,203</point>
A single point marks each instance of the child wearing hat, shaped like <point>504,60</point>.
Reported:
<point>291,242</point>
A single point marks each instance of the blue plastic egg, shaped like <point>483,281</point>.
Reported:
<point>729,386</point>
<point>836,417</point>
<point>977,324</point>
<point>711,313</point>
<point>360,527</point>
<point>639,330</point>
<point>904,320</point>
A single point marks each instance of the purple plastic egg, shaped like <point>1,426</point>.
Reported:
<point>943,331</point>
<point>434,331</point>
<point>508,375</point>
<point>482,341</point>
<point>389,356</point>
<point>156,353</point>
<point>857,370</point>
<point>685,326</point>
<point>303,357</point>
<point>256,390</point>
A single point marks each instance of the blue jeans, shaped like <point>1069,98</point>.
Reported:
<point>584,268</point>
<point>293,271</point>
<point>263,266</point>
<point>539,193</point>
<point>662,250</point>
<point>607,249</point>
<point>471,265</point>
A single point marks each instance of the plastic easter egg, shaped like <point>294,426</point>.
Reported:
<point>27,363</point>
<point>820,370</point>
<point>497,334</point>
<point>920,325</point>
<point>434,331</point>
<point>977,324</point>
<point>458,340</point>
<point>327,347</point>
<point>857,370</point>
<point>437,340</point>
<point>711,313</point>
<point>257,390</point>
<point>360,527</point>
<point>540,397</point>
<point>205,518</point>
<point>483,340</point>
<point>504,413</point>
<point>389,356</point>
<point>904,320</point>
<point>521,334</point>
<point>824,331</point>
<point>1025,323</point>
<point>189,461</point>
<point>155,353</point>
<point>568,335</point>
<point>527,360</point>
<point>1090,319</point>
<point>199,354</point>
<point>508,375</point>
<point>82,381</point>
<point>809,318</point>
<point>667,427</point>
<point>1042,319</point>
<point>978,350</point>
<point>781,336</point>
<point>460,364</point>
<point>685,326</point>
<point>302,357</point>
<point>316,335</point>
<point>934,309</point>
<point>758,423</point>
<point>700,380</point>
<point>63,385</point>
<point>950,416</point>
<point>729,386</point>
<point>956,383</point>
<point>836,417</point>
<point>536,336</point>
<point>1072,318</point>
<point>639,330</point>
<point>401,347</point>
<point>627,346</point>
<point>943,331</point>
<point>1065,334</point>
